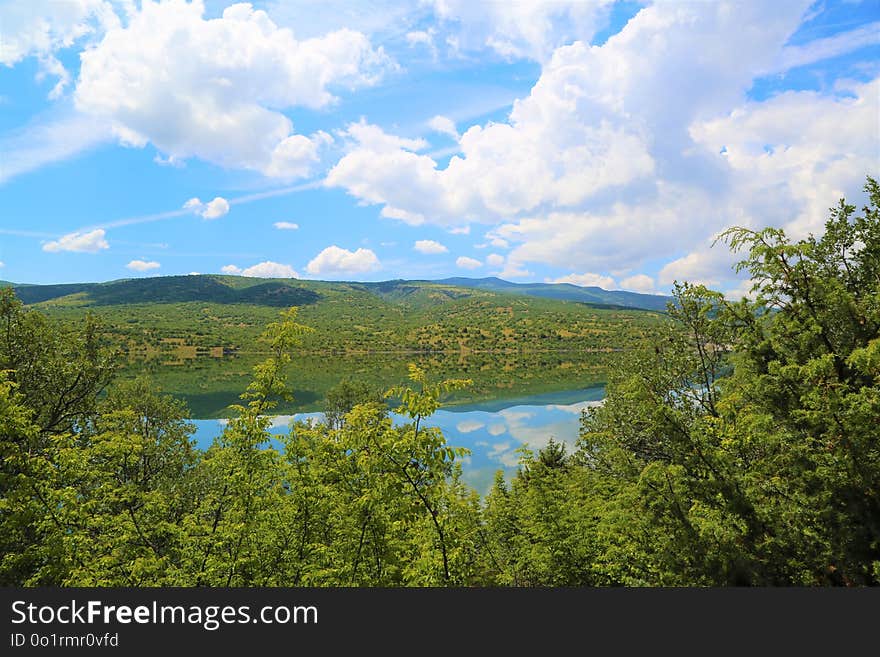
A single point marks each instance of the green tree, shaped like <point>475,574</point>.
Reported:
<point>60,371</point>
<point>240,482</point>
<point>747,434</point>
<point>344,396</point>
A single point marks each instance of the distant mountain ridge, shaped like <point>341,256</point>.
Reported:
<point>566,292</point>
<point>289,292</point>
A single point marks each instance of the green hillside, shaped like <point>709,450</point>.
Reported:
<point>188,316</point>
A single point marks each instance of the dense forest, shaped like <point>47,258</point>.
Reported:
<point>737,445</point>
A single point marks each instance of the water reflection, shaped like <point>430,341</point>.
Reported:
<point>210,385</point>
<point>493,431</point>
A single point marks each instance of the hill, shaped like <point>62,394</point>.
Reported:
<point>202,314</point>
<point>286,292</point>
<point>565,291</point>
<point>169,289</point>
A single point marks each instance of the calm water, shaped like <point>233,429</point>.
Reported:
<point>491,430</point>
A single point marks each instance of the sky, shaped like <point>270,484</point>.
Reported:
<point>591,142</point>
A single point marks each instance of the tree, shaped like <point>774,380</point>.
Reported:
<point>343,397</point>
<point>60,371</point>
<point>747,433</point>
<point>240,483</point>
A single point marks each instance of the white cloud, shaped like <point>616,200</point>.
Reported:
<point>557,149</point>
<point>444,126</point>
<point>2,264</point>
<point>285,225</point>
<point>467,263</point>
<point>460,230</point>
<point>497,429</point>
<point>614,157</point>
<point>143,265</point>
<point>220,101</point>
<point>494,260</point>
<point>90,242</point>
<point>295,156</point>
<point>515,270</point>
<point>519,29</point>
<point>49,65</point>
<point>701,267</point>
<point>335,260</point>
<point>425,38</point>
<point>793,156</point>
<point>743,289</point>
<point>267,269</point>
<point>40,27</point>
<point>210,210</point>
<point>429,247</point>
<point>638,283</point>
<point>587,279</point>
<point>469,426</point>
<point>216,208</point>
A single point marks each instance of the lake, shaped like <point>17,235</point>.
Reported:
<point>210,385</point>
<point>493,430</point>
<point>515,399</point>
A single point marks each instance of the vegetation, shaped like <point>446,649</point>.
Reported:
<point>186,316</point>
<point>197,336</point>
<point>736,446</point>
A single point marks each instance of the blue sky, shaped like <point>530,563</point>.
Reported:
<point>600,143</point>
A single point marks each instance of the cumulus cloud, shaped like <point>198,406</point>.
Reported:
<point>699,267</point>
<point>469,426</point>
<point>429,247</point>
<point>637,149</point>
<point>494,260</point>
<point>267,269</point>
<point>210,210</point>
<point>285,225</point>
<point>40,27</point>
<point>467,263</point>
<point>220,101</point>
<point>638,283</point>
<point>444,126</point>
<point>587,279</point>
<point>335,260</point>
<point>90,242</point>
<point>143,265</point>
<point>792,156</point>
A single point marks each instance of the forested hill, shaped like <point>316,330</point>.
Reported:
<point>565,291</point>
<point>287,292</point>
<point>230,312</point>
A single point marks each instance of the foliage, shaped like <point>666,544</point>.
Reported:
<point>769,475</point>
<point>737,446</point>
